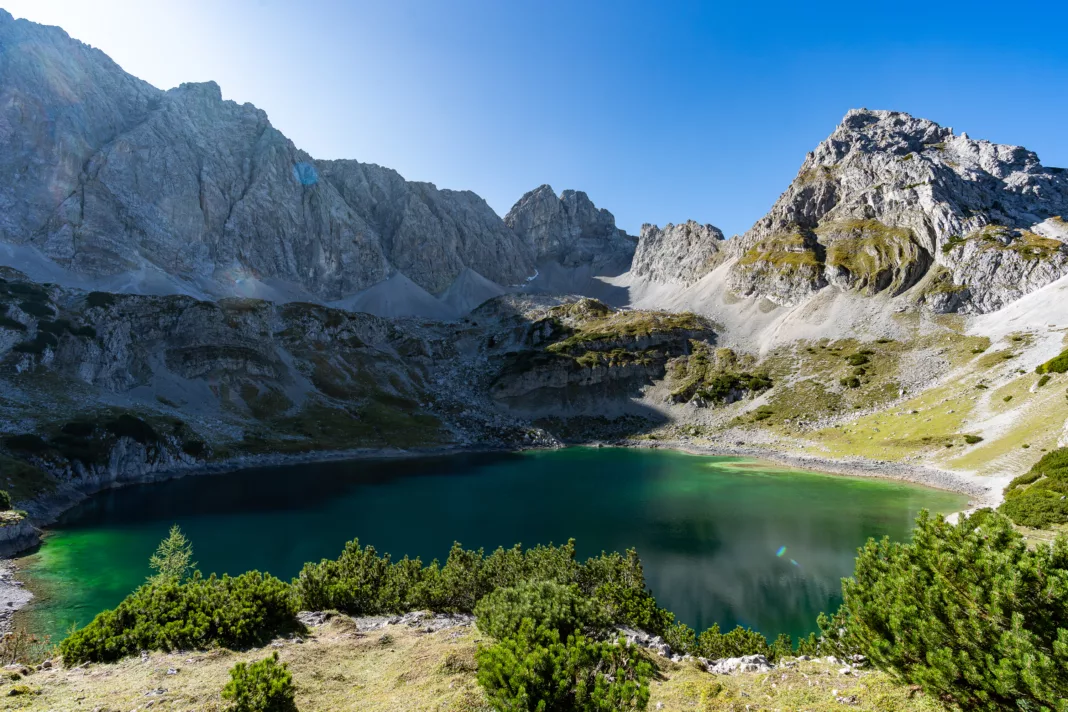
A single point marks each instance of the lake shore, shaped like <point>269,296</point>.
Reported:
<point>983,491</point>
<point>45,511</point>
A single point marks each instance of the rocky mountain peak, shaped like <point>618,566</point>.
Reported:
<point>888,200</point>
<point>209,91</point>
<point>680,253</point>
<point>569,229</point>
<point>111,179</point>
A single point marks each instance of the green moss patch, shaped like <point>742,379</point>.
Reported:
<point>589,327</point>
<point>1025,243</point>
<point>875,255</point>
<point>786,252</point>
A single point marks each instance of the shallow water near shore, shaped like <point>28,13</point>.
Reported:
<point>723,540</point>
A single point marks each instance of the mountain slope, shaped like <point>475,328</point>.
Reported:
<point>106,175</point>
<point>889,199</point>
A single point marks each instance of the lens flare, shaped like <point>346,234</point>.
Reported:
<point>305,173</point>
<point>781,551</point>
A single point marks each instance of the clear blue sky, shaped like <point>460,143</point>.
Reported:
<point>660,111</point>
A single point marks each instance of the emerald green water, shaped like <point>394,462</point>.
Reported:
<point>708,529</point>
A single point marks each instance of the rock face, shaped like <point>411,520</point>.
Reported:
<point>569,229</point>
<point>581,355</point>
<point>888,197</point>
<point>245,371</point>
<point>680,253</point>
<point>105,174</point>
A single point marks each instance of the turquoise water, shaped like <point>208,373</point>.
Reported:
<point>710,530</point>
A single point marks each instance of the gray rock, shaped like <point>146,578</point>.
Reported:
<point>746,663</point>
<point>570,230</point>
<point>105,174</point>
<point>888,197</point>
<point>680,253</point>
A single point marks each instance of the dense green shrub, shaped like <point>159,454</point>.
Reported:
<point>857,359</point>
<point>27,442</point>
<point>11,324</point>
<point>555,606</point>
<point>1043,381</point>
<point>973,439</point>
<point>37,309</point>
<point>722,386</point>
<point>264,686</point>
<point>534,670</point>
<point>1057,364</point>
<point>130,426</point>
<point>5,501</point>
<point>37,345</point>
<point>362,582</point>
<point>237,611</point>
<point>741,641</point>
<point>100,299</point>
<point>968,612</point>
<point>1039,498</point>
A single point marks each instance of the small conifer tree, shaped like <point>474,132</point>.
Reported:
<point>173,560</point>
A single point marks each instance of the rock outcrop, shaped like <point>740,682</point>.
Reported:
<point>680,253</point>
<point>887,197</point>
<point>246,372</point>
<point>569,229</point>
<point>583,354</point>
<point>105,174</point>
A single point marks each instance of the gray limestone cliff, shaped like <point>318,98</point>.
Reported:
<point>569,229</point>
<point>105,174</point>
<point>889,200</point>
<point>678,253</point>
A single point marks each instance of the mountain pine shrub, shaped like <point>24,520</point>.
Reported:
<point>564,609</point>
<point>542,660</point>
<point>535,671</point>
<point>361,582</point>
<point>967,612</point>
<point>1057,364</point>
<point>1039,498</point>
<point>264,686</point>
<point>233,612</point>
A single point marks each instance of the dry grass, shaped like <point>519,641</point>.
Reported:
<point>813,685</point>
<point>338,669</point>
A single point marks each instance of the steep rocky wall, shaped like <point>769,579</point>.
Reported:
<point>680,253</point>
<point>105,174</point>
<point>570,230</point>
<point>84,372</point>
